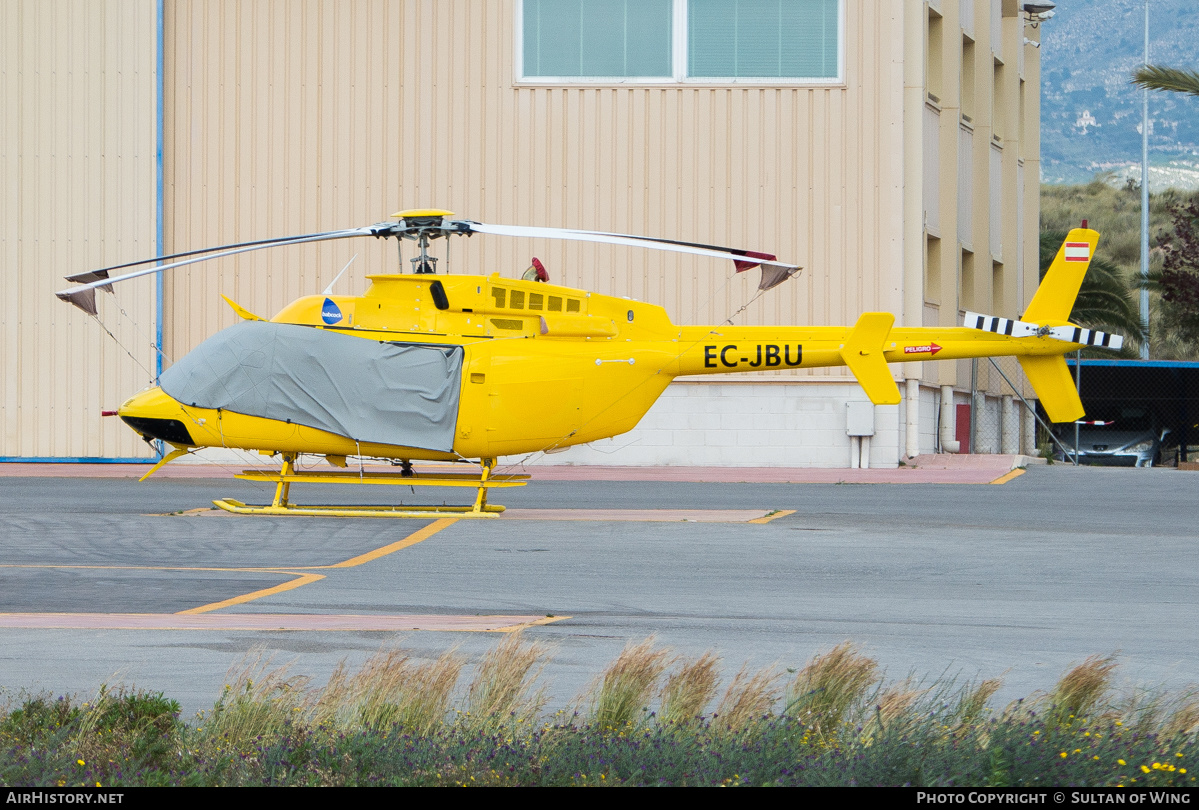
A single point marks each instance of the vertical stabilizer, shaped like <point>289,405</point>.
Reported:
<point>1050,378</point>
<point>863,352</point>
<point>1054,299</point>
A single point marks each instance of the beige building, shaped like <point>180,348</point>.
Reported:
<point>883,145</point>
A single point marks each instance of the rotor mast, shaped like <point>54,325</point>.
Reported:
<point>422,225</point>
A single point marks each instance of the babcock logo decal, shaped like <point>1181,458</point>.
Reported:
<point>330,314</point>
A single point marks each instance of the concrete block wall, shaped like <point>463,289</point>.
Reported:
<point>765,424</point>
<point>930,410</point>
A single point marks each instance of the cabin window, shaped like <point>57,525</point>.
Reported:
<point>705,41</point>
<point>498,294</point>
<point>517,301</point>
<point>535,300</point>
<point>572,305</point>
<point>555,304</point>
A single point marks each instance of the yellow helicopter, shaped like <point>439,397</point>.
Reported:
<point>446,368</point>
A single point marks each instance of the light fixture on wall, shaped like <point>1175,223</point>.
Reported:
<point>1037,13</point>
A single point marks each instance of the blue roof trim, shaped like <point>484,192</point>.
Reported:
<point>1138,363</point>
<point>72,460</point>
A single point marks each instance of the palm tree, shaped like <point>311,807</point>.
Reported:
<point>1158,77</point>
<point>1171,338</point>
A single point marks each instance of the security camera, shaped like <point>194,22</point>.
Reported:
<point>1038,12</point>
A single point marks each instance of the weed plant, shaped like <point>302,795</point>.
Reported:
<point>651,718</point>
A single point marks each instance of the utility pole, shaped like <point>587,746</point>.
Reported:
<point>1145,199</point>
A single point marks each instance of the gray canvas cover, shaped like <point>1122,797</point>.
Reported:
<point>370,391</point>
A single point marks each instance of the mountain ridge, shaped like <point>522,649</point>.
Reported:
<point>1090,111</point>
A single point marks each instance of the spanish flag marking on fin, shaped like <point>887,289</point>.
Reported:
<point>1078,252</point>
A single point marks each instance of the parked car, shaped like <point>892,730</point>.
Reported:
<point>1129,437</point>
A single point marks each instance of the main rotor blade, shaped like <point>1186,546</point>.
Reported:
<point>78,296</point>
<point>743,259</point>
<point>102,273</point>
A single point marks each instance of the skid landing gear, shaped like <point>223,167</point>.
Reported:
<point>288,475</point>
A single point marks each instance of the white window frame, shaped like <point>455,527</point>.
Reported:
<point>678,60</point>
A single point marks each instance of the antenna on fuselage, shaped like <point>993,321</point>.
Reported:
<point>329,289</point>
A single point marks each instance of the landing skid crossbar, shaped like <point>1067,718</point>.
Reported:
<point>288,475</point>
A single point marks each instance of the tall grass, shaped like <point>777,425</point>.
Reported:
<point>260,699</point>
<point>404,720</point>
<point>750,698</point>
<point>690,690</point>
<point>391,690</point>
<point>972,700</point>
<point>831,687</point>
<point>502,688</point>
<point>628,684</point>
<point>1083,690</point>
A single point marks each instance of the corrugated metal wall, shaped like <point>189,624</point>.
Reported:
<point>77,157</point>
<point>288,117</point>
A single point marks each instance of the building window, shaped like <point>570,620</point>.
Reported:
<point>704,41</point>
<point>594,38</point>
<point>762,39</point>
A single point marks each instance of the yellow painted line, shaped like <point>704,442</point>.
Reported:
<point>775,516</point>
<point>411,540</point>
<point>299,581</point>
<point>516,627</point>
<point>1003,479</point>
<point>305,579</point>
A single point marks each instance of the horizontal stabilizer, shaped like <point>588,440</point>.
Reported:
<point>1087,337</point>
<point>1050,378</point>
<point>1000,326</point>
<point>863,353</point>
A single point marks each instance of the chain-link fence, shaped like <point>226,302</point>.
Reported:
<point>1138,413</point>
<point>995,417</point>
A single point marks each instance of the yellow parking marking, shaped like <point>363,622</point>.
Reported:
<point>773,516</point>
<point>305,579</point>
<point>411,540</point>
<point>1003,479</point>
<point>299,581</point>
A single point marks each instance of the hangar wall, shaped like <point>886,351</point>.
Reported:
<point>77,159</point>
